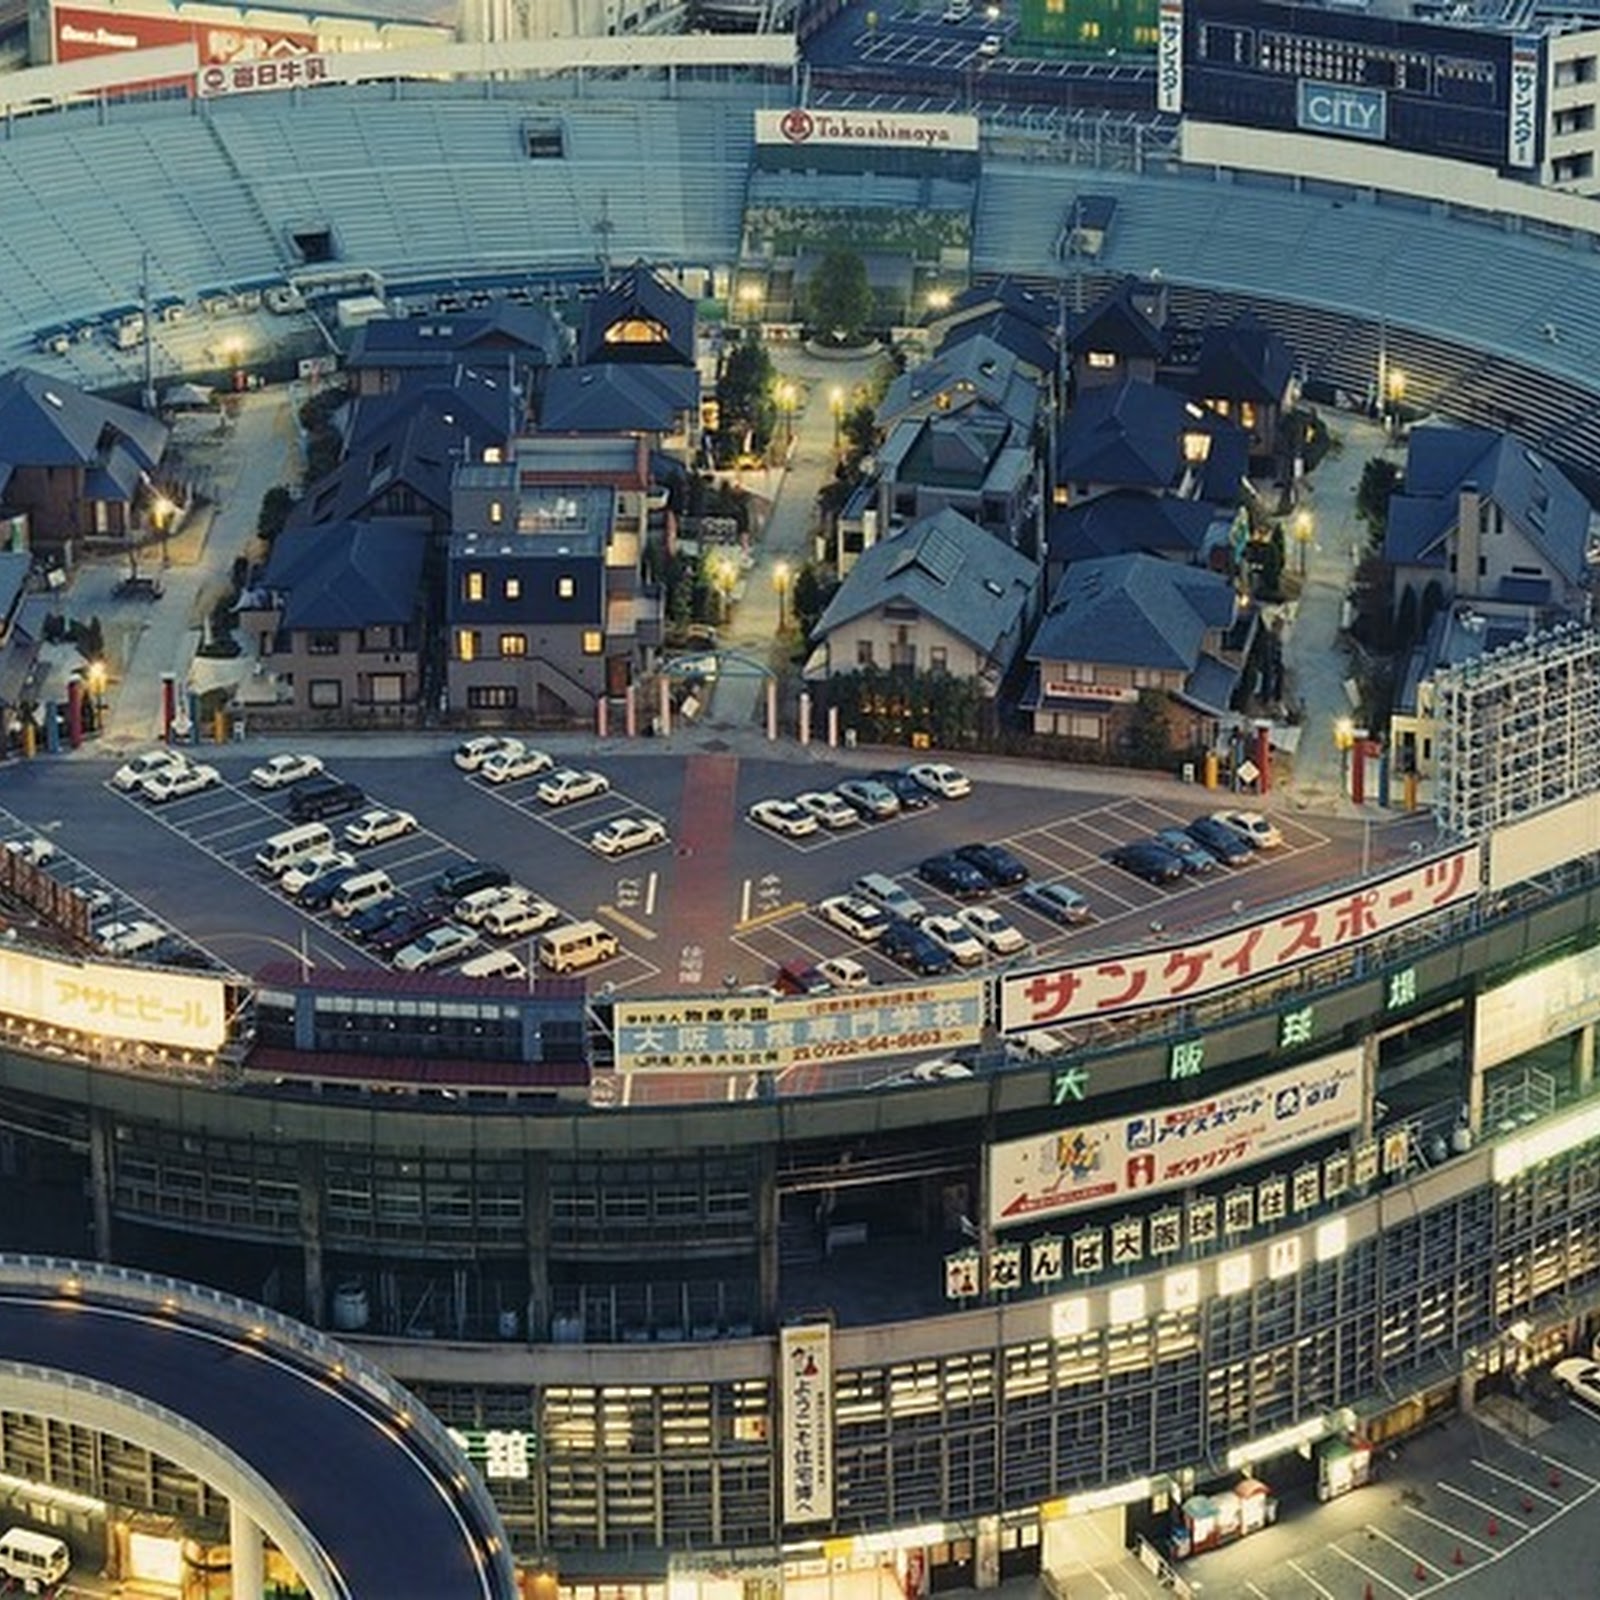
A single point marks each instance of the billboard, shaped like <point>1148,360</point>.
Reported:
<point>745,1033</point>
<point>1137,980</point>
<point>1555,999</point>
<point>1169,56</point>
<point>153,1006</point>
<point>82,31</point>
<point>805,1384</point>
<point>1441,89</point>
<point>258,77</point>
<point>1084,1165</point>
<point>809,126</point>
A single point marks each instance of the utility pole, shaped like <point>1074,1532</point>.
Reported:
<point>149,397</point>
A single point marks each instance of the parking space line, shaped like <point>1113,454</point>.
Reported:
<point>1375,1532</point>
<point>1360,1566</point>
<point>1327,1594</point>
<point>1528,1489</point>
<point>1563,1466</point>
<point>1450,1529</point>
<point>1483,1505</point>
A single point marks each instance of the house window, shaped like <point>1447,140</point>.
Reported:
<point>1102,360</point>
<point>513,644</point>
<point>566,588</point>
<point>322,643</point>
<point>1196,447</point>
<point>938,658</point>
<point>388,689</point>
<point>492,697</point>
<point>497,513</point>
<point>474,586</point>
<point>593,641</point>
<point>466,644</point>
<point>513,588</point>
<point>323,693</point>
<point>863,652</point>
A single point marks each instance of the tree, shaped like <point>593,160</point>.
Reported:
<point>744,398</point>
<point>838,299</point>
<point>276,504</point>
<point>814,587</point>
<point>1379,480</point>
<point>1149,735</point>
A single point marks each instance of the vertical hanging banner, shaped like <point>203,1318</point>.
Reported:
<point>1169,56</point>
<point>805,1355</point>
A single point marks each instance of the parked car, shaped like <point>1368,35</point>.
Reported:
<point>1226,844</point>
<point>623,835</point>
<point>129,937</point>
<point>940,1070</point>
<point>467,877</point>
<point>990,45</point>
<point>855,915</point>
<point>955,938</point>
<point>318,894</point>
<point>405,925</point>
<point>799,976</point>
<point>176,783</point>
<point>1055,901</point>
<point>35,849</point>
<point>378,826</point>
<point>1580,1378</point>
<point>280,771</point>
<point>954,876</point>
<point>365,925</point>
<point>511,766</point>
<point>784,816</point>
<point>1196,859</point>
<point>1146,859</point>
<point>940,778</point>
<point>313,799</point>
<point>435,947</point>
<point>830,809</point>
<point>915,950</point>
<point>132,773</point>
<point>911,794</point>
<point>992,931</point>
<point>996,863</point>
<point>871,800</point>
<point>474,907</point>
<point>567,785</point>
<point>1261,831</point>
<point>844,972</point>
<point>305,873</point>
<point>893,896</point>
<point>471,754</point>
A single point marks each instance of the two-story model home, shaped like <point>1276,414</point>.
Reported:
<point>519,341</point>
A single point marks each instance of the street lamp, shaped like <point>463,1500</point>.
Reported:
<point>785,395</point>
<point>1394,396</point>
<point>723,572</point>
<point>836,406</point>
<point>780,582</point>
<point>1304,529</point>
<point>97,691</point>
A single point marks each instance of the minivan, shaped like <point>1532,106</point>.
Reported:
<point>363,890</point>
<point>292,846</point>
<point>577,944</point>
<point>897,900</point>
<point>324,797</point>
<point>35,1559</point>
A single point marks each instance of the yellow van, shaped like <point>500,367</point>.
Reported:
<point>575,945</point>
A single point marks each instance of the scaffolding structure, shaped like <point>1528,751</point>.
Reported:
<point>1517,731</point>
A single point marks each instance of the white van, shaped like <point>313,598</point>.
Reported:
<point>292,846</point>
<point>496,964</point>
<point>363,890</point>
<point>36,1559</point>
<point>577,944</point>
<point>513,918</point>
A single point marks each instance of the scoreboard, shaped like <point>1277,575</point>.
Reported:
<point>1470,94</point>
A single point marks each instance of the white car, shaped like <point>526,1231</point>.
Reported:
<point>475,907</point>
<point>955,938</point>
<point>378,826</point>
<point>472,753</point>
<point>830,809</point>
<point>440,944</point>
<point>508,766</point>
<point>991,45</point>
<point>131,774</point>
<point>1261,831</point>
<point>37,851</point>
<point>844,972</point>
<point>623,835</point>
<point>128,938</point>
<point>787,817</point>
<point>173,783</point>
<point>1580,1378</point>
<point>937,1071</point>
<point>511,919</point>
<point>281,771</point>
<point>568,784</point>
<point>307,872</point>
<point>940,778</point>
<point>855,915</point>
<point>991,930</point>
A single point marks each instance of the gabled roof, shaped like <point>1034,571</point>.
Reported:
<point>530,331</point>
<point>954,573</point>
<point>346,575</point>
<point>955,449</point>
<point>1116,324</point>
<point>45,422</point>
<point>1009,296</point>
<point>1133,611</point>
<point>476,399</point>
<point>618,397</point>
<point>971,370</point>
<point>1126,522</point>
<point>643,294</point>
<point>1245,360</point>
<point>1532,493</point>
<point>1130,435</point>
<point>1032,345</point>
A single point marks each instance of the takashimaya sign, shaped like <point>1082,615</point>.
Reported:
<point>805,1384</point>
<point>1088,1164</point>
<point>1136,980</point>
<point>883,130</point>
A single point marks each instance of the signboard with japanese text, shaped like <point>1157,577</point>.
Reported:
<point>500,1454</point>
<point>260,77</point>
<point>1082,1166</point>
<point>1536,1007</point>
<point>883,130</point>
<point>82,31</point>
<point>181,1010</point>
<point>805,1355</point>
<point>746,1033</point>
<point>1138,980</point>
<point>1169,56</point>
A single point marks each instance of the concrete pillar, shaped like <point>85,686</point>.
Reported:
<point>805,716</point>
<point>536,1222</point>
<point>630,713</point>
<point>1583,1059</point>
<point>833,727</point>
<point>664,710</point>
<point>772,708</point>
<point>100,1180</point>
<point>601,712</point>
<point>248,1556</point>
<point>315,1285</point>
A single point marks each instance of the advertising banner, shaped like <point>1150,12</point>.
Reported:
<point>1522,125</point>
<point>154,1007</point>
<point>1531,1010</point>
<point>881,130</point>
<point>1169,56</point>
<point>257,77</point>
<point>1337,108</point>
<point>82,31</point>
<point>805,1383</point>
<point>1084,1165</point>
<point>744,1033</point>
<point>1136,980</point>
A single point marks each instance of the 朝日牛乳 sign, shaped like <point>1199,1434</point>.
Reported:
<point>1135,980</point>
<point>1091,1164</point>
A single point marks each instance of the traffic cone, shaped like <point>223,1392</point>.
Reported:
<point>1494,1527</point>
<point>1458,1560</point>
<point>1420,1573</point>
<point>1555,1478</point>
<point>1366,1594</point>
<point>1527,1505</point>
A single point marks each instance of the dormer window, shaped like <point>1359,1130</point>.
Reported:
<point>1101,360</point>
<point>1196,447</point>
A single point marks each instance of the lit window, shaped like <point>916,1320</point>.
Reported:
<point>497,513</point>
<point>566,588</point>
<point>474,586</point>
<point>593,641</point>
<point>1102,359</point>
<point>493,455</point>
<point>513,644</point>
<point>1196,446</point>
<point>466,644</point>
<point>513,588</point>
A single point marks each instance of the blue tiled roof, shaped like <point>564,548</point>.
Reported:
<point>617,397</point>
<point>347,575</point>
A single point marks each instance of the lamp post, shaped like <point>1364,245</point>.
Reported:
<point>1304,528</point>
<point>1394,397</point>
<point>97,692</point>
<point>836,406</point>
<point>780,582</point>
<point>785,395</point>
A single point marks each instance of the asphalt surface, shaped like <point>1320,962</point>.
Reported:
<point>385,1520</point>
